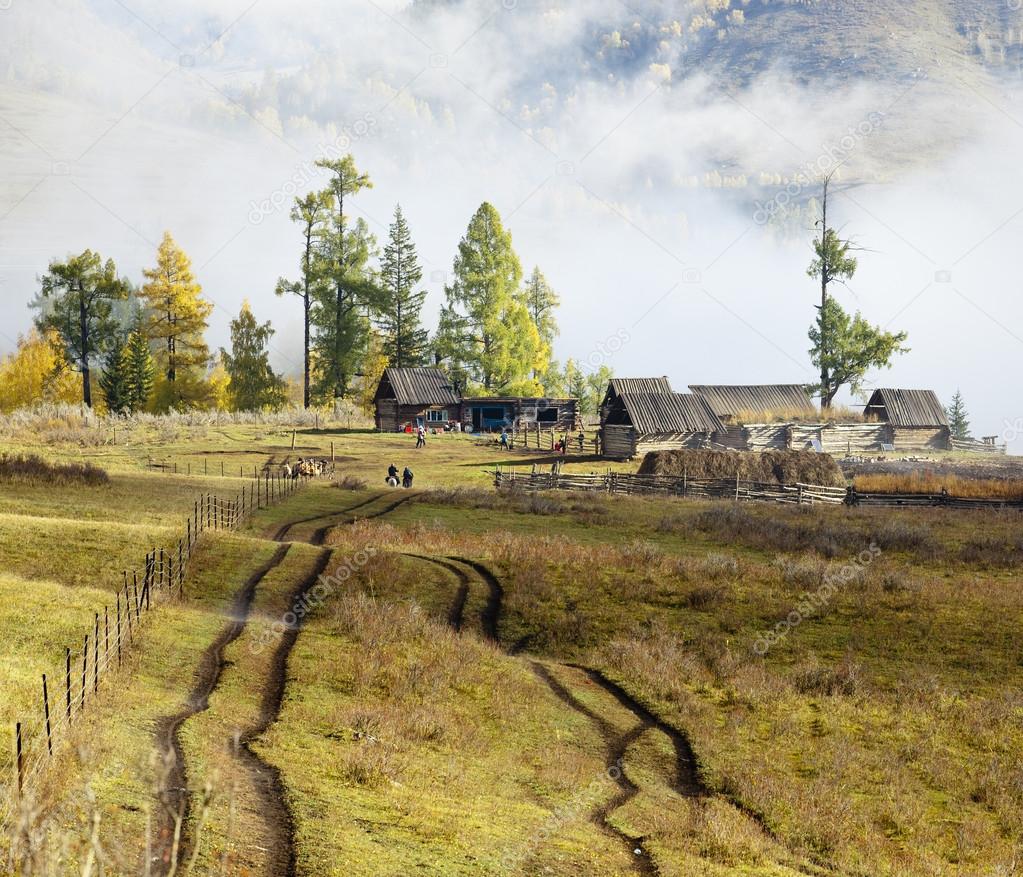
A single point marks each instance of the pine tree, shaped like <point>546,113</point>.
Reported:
<point>141,372</point>
<point>174,322</point>
<point>958,417</point>
<point>253,384</point>
<point>401,304</point>
<point>312,212</point>
<point>114,382</point>
<point>542,301</point>
<point>486,330</point>
<point>348,292</point>
<point>77,301</point>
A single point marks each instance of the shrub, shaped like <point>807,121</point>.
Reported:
<point>32,469</point>
<point>351,482</point>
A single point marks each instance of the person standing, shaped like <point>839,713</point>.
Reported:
<point>421,437</point>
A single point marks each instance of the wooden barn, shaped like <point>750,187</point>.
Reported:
<point>511,412</point>
<point>414,396</point>
<point>915,418</point>
<point>617,386</point>
<point>636,423</point>
<point>750,413</point>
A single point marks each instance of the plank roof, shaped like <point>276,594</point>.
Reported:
<point>907,407</point>
<point>669,412</point>
<point>419,386</point>
<point>640,385</point>
<point>728,400</point>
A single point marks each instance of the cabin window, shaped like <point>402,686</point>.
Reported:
<point>547,415</point>
<point>493,413</point>
<point>437,416</point>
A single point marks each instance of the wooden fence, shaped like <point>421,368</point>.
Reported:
<point>734,489</point>
<point>101,651</point>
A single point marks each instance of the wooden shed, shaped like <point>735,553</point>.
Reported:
<point>752,403</point>
<point>509,412</point>
<point>916,418</point>
<point>414,396</point>
<point>617,386</point>
<point>640,422</point>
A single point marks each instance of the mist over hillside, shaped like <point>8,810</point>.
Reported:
<point>659,160</point>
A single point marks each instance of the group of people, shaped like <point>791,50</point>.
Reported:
<point>406,477</point>
<point>560,446</point>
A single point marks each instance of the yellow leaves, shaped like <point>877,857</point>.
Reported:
<point>220,383</point>
<point>37,372</point>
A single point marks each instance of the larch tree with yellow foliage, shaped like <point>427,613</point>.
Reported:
<point>37,372</point>
<point>175,320</point>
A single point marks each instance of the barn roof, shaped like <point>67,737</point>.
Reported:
<point>639,385</point>
<point>907,407</point>
<point>669,412</point>
<point>729,399</point>
<point>419,386</point>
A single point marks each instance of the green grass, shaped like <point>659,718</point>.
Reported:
<point>880,736</point>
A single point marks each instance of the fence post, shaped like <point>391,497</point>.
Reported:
<point>106,634</point>
<point>181,566</point>
<point>205,466</point>
<point>67,679</point>
<point>135,589</point>
<point>18,766</point>
<point>799,494</point>
<point>46,715</point>
<point>95,658</point>
<point>85,670</point>
<point>163,573</point>
<point>118,628</point>
<point>736,485</point>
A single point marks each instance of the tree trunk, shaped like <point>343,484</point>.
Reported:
<point>338,379</point>
<point>307,399</point>
<point>83,325</point>
<point>826,394</point>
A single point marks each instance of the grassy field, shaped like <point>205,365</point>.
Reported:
<point>510,684</point>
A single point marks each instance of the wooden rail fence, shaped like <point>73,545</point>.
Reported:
<point>734,489</point>
<point>65,695</point>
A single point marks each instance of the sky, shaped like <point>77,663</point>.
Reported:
<point>654,194</point>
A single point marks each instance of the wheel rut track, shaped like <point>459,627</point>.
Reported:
<point>456,614</point>
<point>207,676</point>
<point>320,536</point>
<point>283,531</point>
<point>267,778</point>
<point>617,745</point>
<point>491,615</point>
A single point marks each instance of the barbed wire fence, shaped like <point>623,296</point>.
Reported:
<point>93,662</point>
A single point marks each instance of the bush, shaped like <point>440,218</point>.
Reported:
<point>32,469</point>
<point>351,482</point>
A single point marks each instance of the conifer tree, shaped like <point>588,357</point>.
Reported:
<point>175,320</point>
<point>958,417</point>
<point>401,304</point>
<point>486,331</point>
<point>114,381</point>
<point>141,372</point>
<point>348,292</point>
<point>542,301</point>
<point>311,212</point>
<point>253,386</point>
<point>77,302</point>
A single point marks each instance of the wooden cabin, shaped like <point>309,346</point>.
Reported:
<point>493,414</point>
<point>617,386</point>
<point>750,413</point>
<point>915,418</point>
<point>637,423</point>
<point>416,396</point>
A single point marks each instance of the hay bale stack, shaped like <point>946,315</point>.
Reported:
<point>766,467</point>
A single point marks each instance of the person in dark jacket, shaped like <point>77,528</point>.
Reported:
<point>406,478</point>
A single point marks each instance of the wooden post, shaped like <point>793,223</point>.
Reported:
<point>205,466</point>
<point>221,468</point>
<point>163,573</point>
<point>19,769</point>
<point>331,452</point>
<point>736,485</point>
<point>67,679</point>
<point>189,469</point>
<point>181,566</point>
<point>85,670</point>
<point>189,531</point>
<point>294,436</point>
<point>95,658</point>
<point>127,610</point>
<point>106,634</point>
<point>46,716</point>
<point>135,589</point>
<point>799,494</point>
<point>118,628</point>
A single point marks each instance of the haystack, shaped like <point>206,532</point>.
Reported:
<point>781,467</point>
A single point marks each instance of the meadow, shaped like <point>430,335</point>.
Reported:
<point>492,683</point>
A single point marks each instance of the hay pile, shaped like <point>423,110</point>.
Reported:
<point>781,467</point>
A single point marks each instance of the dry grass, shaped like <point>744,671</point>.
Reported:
<point>933,482</point>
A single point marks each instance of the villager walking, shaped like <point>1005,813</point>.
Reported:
<point>421,437</point>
